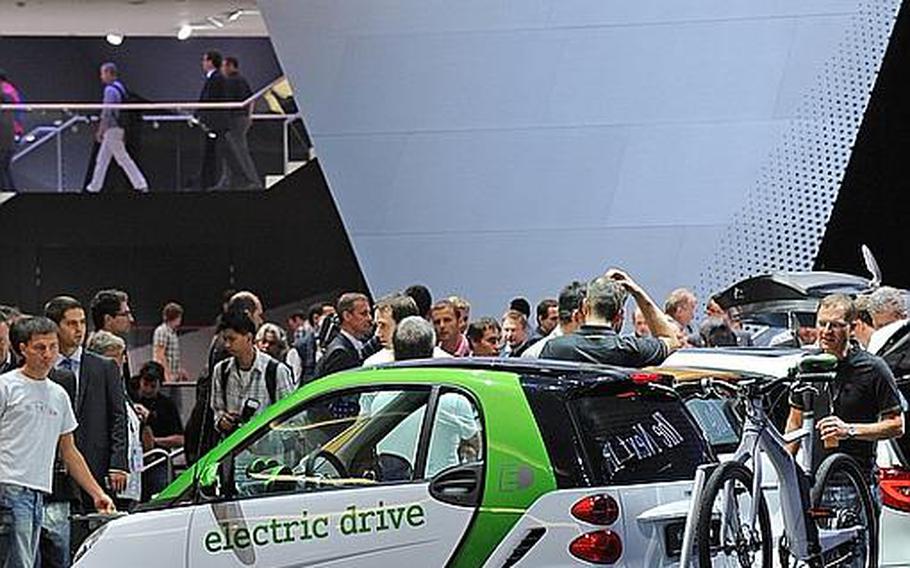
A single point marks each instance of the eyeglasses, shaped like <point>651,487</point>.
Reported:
<point>832,324</point>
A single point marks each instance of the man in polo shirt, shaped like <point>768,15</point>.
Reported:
<point>864,398</point>
<point>598,340</point>
<point>38,420</point>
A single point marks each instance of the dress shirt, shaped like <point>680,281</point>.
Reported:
<point>72,363</point>
<point>358,344</point>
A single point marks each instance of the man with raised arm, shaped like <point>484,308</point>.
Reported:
<point>598,340</point>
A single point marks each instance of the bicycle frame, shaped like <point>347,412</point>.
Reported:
<point>804,540</point>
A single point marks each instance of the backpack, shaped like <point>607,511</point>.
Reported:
<point>200,433</point>
<point>128,119</point>
<point>271,372</point>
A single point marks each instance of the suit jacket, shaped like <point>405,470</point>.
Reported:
<point>10,365</point>
<point>340,354</point>
<point>214,90</point>
<point>101,412</point>
<point>236,89</point>
<point>64,488</point>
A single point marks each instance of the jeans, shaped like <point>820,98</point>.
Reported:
<point>54,546</point>
<point>21,510</point>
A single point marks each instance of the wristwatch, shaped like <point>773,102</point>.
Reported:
<point>851,431</point>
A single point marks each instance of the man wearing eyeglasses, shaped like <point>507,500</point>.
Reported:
<point>111,312</point>
<point>863,405</point>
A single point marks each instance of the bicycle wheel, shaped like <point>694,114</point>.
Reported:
<point>841,499</point>
<point>724,534</point>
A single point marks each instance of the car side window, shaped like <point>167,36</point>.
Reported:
<point>457,436</point>
<point>351,439</point>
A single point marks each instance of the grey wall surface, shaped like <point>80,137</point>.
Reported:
<point>496,148</point>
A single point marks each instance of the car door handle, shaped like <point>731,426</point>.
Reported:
<point>460,485</point>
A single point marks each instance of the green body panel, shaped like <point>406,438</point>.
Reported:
<point>518,469</point>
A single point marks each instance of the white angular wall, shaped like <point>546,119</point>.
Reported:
<point>494,148</point>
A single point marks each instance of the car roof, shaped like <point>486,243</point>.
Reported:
<point>559,374</point>
<point>768,361</point>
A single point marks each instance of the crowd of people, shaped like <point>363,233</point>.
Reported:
<point>74,424</point>
<point>226,162</point>
<point>84,449</point>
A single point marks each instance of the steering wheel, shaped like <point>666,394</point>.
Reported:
<point>332,459</point>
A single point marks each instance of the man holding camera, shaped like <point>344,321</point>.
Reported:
<point>245,383</point>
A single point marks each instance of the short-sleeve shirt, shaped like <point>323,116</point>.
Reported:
<point>166,337</point>
<point>33,416</point>
<point>601,345</point>
<point>455,422</point>
<point>864,391</point>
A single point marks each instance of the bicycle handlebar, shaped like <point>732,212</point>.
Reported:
<point>761,387</point>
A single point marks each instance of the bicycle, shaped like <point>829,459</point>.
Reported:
<point>824,524</point>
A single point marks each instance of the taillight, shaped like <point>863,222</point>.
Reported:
<point>597,510</point>
<point>645,378</point>
<point>598,547</point>
<point>895,486</point>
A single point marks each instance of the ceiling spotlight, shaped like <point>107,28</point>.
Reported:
<point>114,39</point>
<point>184,32</point>
<point>235,15</point>
<point>215,22</point>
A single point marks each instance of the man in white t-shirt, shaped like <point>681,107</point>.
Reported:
<point>36,421</point>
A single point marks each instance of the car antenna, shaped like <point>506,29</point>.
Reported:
<point>871,266</point>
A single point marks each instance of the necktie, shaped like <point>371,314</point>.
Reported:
<point>67,364</point>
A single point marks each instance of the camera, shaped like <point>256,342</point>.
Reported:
<point>250,407</point>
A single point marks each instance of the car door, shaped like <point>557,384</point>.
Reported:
<point>340,481</point>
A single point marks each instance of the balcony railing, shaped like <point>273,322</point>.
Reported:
<point>56,154</point>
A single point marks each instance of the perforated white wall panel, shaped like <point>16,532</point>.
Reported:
<point>782,222</point>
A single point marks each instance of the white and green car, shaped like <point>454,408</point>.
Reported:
<point>436,463</point>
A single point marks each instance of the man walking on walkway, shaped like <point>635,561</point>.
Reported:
<point>110,135</point>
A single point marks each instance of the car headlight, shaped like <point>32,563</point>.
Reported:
<point>88,543</point>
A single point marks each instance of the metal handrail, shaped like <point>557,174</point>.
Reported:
<point>166,457</point>
<point>52,131</point>
<point>145,106</point>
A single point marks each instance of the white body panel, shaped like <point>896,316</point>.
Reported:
<point>155,538</point>
<point>414,530</point>
<point>644,512</point>
<point>426,538</point>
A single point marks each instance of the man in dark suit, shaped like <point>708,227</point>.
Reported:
<point>351,346</point>
<point>215,121</point>
<point>237,168</point>
<point>111,312</point>
<point>99,404</point>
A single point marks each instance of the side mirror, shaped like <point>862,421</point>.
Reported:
<point>821,363</point>
<point>217,479</point>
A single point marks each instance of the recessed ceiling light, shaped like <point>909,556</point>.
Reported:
<point>114,38</point>
<point>215,21</point>
<point>235,15</point>
<point>184,32</point>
